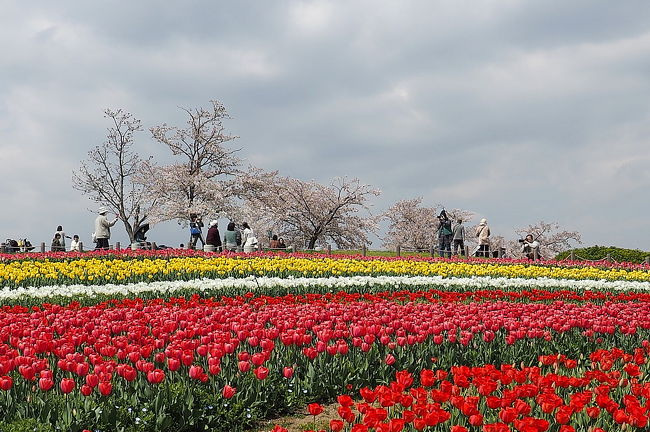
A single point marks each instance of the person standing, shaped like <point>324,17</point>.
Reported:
<point>103,229</point>
<point>213,239</point>
<point>444,235</point>
<point>196,232</point>
<point>60,231</point>
<point>248,238</point>
<point>458,237</point>
<point>230,238</point>
<point>483,234</point>
<point>275,243</point>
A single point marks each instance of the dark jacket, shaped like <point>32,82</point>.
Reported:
<point>213,237</point>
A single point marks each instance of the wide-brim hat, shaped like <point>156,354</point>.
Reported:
<point>102,210</point>
<point>213,223</point>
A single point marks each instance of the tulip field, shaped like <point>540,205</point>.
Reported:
<point>193,341</point>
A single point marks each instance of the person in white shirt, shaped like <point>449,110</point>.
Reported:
<point>74,244</point>
<point>248,238</point>
<point>530,247</point>
<point>103,229</point>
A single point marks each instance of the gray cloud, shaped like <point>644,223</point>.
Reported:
<point>519,111</point>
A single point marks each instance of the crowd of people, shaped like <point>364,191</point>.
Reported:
<point>235,239</point>
<point>451,238</point>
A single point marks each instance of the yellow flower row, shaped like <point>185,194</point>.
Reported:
<point>93,271</point>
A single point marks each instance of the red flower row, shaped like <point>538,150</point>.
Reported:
<point>154,338</point>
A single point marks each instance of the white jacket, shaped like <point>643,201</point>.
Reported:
<point>103,227</point>
<point>248,237</point>
<point>74,245</point>
<point>483,234</point>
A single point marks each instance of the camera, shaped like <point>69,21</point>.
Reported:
<point>521,240</point>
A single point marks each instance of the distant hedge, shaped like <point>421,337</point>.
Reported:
<point>600,252</point>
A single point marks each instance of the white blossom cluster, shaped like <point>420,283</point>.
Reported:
<point>332,283</point>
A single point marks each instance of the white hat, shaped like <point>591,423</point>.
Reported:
<point>102,210</point>
<point>213,223</point>
<point>483,221</point>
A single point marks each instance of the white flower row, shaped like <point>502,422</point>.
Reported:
<point>337,283</point>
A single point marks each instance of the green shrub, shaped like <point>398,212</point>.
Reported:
<point>26,425</point>
<point>595,253</point>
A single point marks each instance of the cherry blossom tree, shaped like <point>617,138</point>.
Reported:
<point>411,225</point>
<point>204,178</point>
<point>109,175</point>
<point>416,227</point>
<point>307,212</point>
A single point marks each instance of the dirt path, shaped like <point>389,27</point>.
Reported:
<point>302,422</point>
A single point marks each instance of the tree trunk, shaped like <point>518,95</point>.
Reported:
<point>312,242</point>
<point>130,230</point>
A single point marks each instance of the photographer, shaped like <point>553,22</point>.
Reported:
<point>445,235</point>
<point>530,247</point>
<point>196,232</point>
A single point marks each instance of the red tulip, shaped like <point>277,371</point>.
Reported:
<point>244,366</point>
<point>92,380</point>
<point>45,384</point>
<point>105,388</point>
<point>336,425</point>
<point>6,383</point>
<point>345,400</point>
<point>173,364</point>
<point>67,385</point>
<point>287,372</point>
<point>196,372</point>
<point>261,372</point>
<point>129,373</point>
<point>86,390</point>
<point>156,376</point>
<point>257,359</point>
<point>314,409</point>
<point>228,391</point>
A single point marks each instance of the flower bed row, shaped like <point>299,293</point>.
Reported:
<point>98,271</point>
<point>223,363</point>
<point>90,294</point>
<point>128,254</point>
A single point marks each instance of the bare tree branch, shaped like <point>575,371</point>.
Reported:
<point>109,174</point>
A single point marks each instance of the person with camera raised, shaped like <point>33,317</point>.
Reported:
<point>530,247</point>
<point>444,235</point>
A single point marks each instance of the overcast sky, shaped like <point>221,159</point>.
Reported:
<point>518,110</point>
